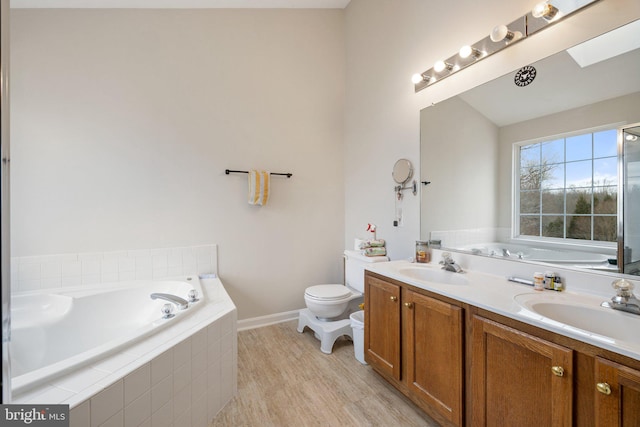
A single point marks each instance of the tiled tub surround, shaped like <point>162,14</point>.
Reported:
<point>182,375</point>
<point>34,273</point>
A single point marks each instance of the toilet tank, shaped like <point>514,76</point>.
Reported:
<point>354,263</point>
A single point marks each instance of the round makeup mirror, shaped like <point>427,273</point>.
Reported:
<point>402,171</point>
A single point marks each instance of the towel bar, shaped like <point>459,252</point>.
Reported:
<point>228,171</point>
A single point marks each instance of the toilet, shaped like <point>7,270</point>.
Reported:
<point>329,306</point>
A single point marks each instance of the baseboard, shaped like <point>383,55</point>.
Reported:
<point>271,319</point>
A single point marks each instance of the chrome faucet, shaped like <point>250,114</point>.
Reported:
<point>181,303</point>
<point>449,264</point>
<point>624,300</point>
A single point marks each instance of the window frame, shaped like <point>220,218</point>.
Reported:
<point>581,244</point>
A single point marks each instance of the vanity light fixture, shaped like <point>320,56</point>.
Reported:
<point>546,11</point>
<point>467,51</point>
<point>501,32</point>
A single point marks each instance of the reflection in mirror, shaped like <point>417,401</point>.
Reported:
<point>402,171</point>
<point>631,190</point>
<point>531,171</point>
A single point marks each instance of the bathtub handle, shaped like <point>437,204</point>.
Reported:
<point>193,296</point>
<point>167,311</point>
<point>180,302</point>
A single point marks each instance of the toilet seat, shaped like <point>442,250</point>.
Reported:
<point>328,292</point>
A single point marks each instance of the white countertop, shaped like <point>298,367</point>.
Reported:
<point>496,294</point>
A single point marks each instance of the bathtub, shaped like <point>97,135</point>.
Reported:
<point>60,330</point>
<point>81,346</point>
<point>555,256</point>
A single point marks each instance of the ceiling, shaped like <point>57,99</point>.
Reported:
<point>561,84</point>
<point>180,4</point>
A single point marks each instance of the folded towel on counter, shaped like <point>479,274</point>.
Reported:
<point>258,187</point>
<point>377,251</point>
<point>379,243</point>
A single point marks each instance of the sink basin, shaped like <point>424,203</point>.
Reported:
<point>584,314</point>
<point>429,274</point>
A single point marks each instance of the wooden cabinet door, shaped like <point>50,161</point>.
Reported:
<point>433,353</point>
<point>518,379</point>
<point>617,392</point>
<point>382,326</point>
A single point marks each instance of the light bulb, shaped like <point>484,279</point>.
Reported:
<point>441,66</point>
<point>630,137</point>
<point>539,10</point>
<point>417,78</point>
<point>501,32</point>
<point>544,10</point>
<point>465,51</point>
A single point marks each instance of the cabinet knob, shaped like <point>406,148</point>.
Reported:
<point>557,371</point>
<point>408,304</point>
<point>394,298</point>
<point>603,388</point>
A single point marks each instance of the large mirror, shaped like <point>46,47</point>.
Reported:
<point>532,169</point>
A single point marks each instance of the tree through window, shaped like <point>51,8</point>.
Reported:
<point>568,187</point>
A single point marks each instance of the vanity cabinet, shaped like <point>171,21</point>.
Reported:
<point>416,341</point>
<point>617,390</point>
<point>382,326</point>
<point>433,345</point>
<point>518,379</point>
<point>464,365</point>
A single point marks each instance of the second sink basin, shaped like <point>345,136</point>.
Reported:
<point>586,314</point>
<point>430,274</point>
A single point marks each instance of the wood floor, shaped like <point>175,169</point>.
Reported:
<point>285,380</point>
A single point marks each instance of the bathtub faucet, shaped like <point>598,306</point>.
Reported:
<point>180,302</point>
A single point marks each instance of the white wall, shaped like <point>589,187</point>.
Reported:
<point>123,122</point>
<point>387,41</point>
<point>460,150</point>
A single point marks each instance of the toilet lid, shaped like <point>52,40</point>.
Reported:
<point>328,292</point>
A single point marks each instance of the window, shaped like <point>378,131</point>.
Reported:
<point>569,187</point>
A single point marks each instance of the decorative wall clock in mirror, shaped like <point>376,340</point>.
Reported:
<point>524,76</point>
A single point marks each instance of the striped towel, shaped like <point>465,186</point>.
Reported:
<point>377,251</point>
<point>258,187</point>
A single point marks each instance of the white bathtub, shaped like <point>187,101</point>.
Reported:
<point>556,256</point>
<point>59,331</point>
